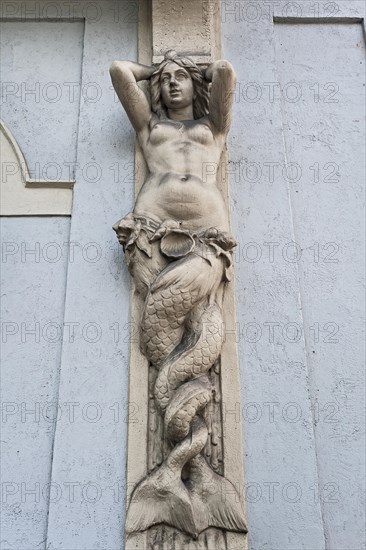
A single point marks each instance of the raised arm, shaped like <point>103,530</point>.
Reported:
<point>125,75</point>
<point>222,75</point>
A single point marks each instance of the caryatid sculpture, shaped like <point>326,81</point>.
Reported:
<point>179,252</point>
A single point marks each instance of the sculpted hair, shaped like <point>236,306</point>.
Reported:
<point>202,96</point>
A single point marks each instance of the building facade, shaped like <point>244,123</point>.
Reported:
<point>296,177</point>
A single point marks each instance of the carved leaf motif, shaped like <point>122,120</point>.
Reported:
<point>221,238</point>
<point>124,228</point>
<point>143,243</point>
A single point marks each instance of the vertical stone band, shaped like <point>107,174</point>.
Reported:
<point>192,28</point>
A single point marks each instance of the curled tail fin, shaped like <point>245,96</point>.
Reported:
<point>162,497</point>
<point>218,496</point>
<point>205,500</point>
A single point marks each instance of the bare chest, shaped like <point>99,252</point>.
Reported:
<point>165,132</point>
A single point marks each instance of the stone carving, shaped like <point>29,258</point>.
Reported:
<point>179,252</point>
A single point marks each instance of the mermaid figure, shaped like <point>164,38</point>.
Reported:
<point>179,251</point>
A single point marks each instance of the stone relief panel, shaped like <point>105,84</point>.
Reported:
<point>178,249</point>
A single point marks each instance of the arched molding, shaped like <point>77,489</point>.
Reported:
<point>22,195</point>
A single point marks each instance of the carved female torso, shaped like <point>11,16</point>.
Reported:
<point>182,157</point>
<point>182,152</point>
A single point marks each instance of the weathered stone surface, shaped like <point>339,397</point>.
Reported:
<point>179,253</point>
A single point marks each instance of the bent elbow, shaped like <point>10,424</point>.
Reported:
<point>225,72</point>
<point>225,66</point>
<point>117,67</point>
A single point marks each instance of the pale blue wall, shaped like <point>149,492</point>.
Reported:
<point>34,257</point>
<point>304,383</point>
<point>89,290</point>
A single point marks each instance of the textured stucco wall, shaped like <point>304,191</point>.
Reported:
<point>34,255</point>
<point>299,103</point>
<point>41,93</point>
<point>83,455</point>
<point>92,453</point>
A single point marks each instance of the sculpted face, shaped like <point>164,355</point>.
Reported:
<point>176,87</point>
